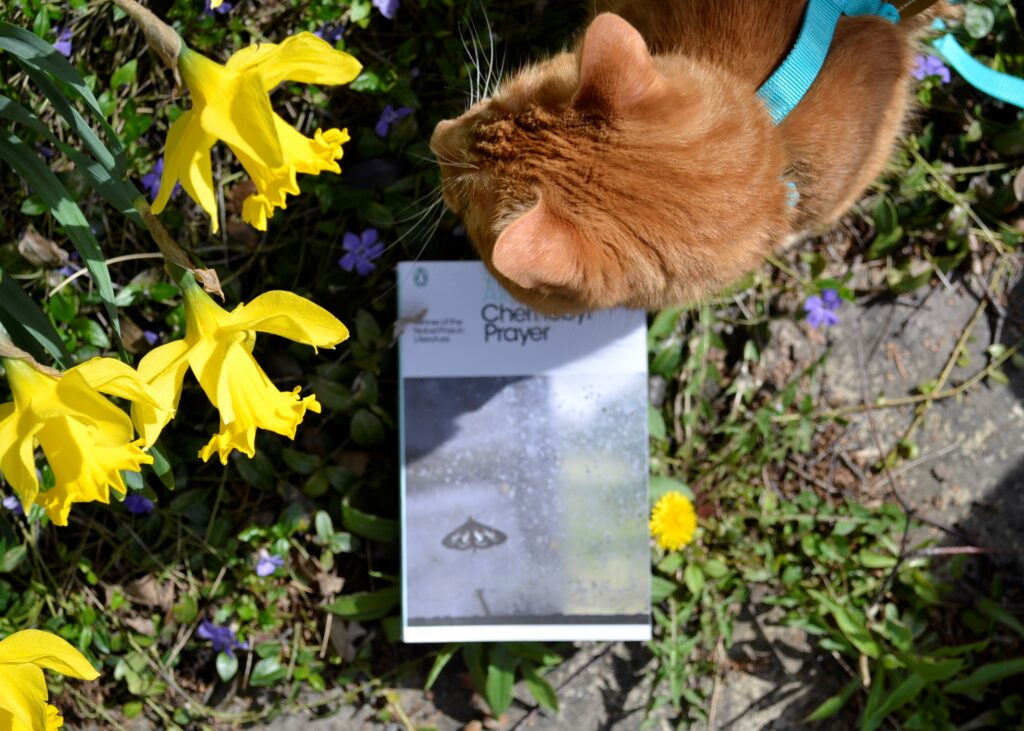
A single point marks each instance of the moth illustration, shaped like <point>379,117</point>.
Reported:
<point>472,536</point>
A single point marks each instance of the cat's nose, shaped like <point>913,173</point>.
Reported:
<point>444,141</point>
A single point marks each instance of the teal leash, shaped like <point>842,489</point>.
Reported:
<point>785,88</point>
<point>790,82</point>
<point>1005,87</point>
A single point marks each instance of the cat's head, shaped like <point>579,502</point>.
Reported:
<point>611,177</point>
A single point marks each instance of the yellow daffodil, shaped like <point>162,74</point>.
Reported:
<point>86,439</point>
<point>23,692</point>
<point>673,521</point>
<point>218,348</point>
<point>231,102</point>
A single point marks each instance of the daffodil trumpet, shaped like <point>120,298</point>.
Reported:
<point>217,348</point>
<point>87,440</point>
<point>23,692</point>
<point>231,102</point>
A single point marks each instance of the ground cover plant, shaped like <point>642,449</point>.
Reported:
<point>221,595</point>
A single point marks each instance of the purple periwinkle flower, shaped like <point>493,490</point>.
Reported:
<point>221,9</point>
<point>150,336</point>
<point>13,504</point>
<point>63,43</point>
<point>927,65</point>
<point>330,32</point>
<point>821,311</point>
<point>151,180</point>
<point>268,563</point>
<point>223,638</point>
<point>138,504</point>
<point>388,117</point>
<point>360,251</point>
<point>387,8</point>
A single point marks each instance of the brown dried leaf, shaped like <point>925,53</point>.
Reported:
<point>39,250</point>
<point>142,625</point>
<point>344,636</point>
<point>329,584</point>
<point>209,281</point>
<point>1018,185</point>
<point>148,592</point>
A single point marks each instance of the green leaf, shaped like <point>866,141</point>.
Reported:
<point>978,20</point>
<point>382,530</point>
<point>268,671</point>
<point>301,462</point>
<point>125,75</point>
<point>185,610</point>
<point>833,705</point>
<point>444,655</point>
<point>365,605</point>
<point>540,688</point>
<point>901,695</point>
<point>986,675</point>
<point>851,623</point>
<point>24,161</point>
<point>367,429</point>
<point>659,485</point>
<point>161,466</point>
<point>30,329</point>
<point>656,425</point>
<point>324,526</point>
<point>501,665</point>
<point>993,610</point>
<point>473,656</point>
<point>32,52</point>
<point>661,589</point>
<point>12,559</point>
<point>693,577</point>
<point>90,332</point>
<point>227,666</point>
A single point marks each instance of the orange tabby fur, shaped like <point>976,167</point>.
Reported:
<point>641,170</point>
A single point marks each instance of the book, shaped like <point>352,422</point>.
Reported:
<point>524,455</point>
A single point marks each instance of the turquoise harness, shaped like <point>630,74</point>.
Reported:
<point>785,88</point>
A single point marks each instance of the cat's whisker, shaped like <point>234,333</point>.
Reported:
<point>472,88</point>
<point>491,83</point>
<point>460,164</point>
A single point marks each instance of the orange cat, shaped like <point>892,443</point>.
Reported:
<point>642,170</point>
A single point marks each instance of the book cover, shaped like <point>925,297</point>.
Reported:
<point>524,465</point>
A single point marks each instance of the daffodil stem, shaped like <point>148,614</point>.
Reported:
<point>178,265</point>
<point>161,37</point>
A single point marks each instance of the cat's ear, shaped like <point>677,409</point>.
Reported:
<point>616,69</point>
<point>537,250</point>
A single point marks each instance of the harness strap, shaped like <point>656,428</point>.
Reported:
<point>1009,89</point>
<point>793,78</point>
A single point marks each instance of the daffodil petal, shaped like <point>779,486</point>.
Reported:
<point>47,651</point>
<point>290,316</point>
<point>273,183</point>
<point>302,57</point>
<point>232,107</point>
<point>84,470</point>
<point>187,159</point>
<point>24,693</point>
<point>163,368</point>
<point>54,719</point>
<point>111,376</point>
<point>311,155</point>
<point>17,452</point>
<point>73,398</point>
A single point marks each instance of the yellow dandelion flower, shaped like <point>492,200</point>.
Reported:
<point>23,692</point>
<point>231,102</point>
<point>87,440</point>
<point>218,348</point>
<point>673,521</point>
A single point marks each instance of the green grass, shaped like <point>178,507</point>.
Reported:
<point>130,592</point>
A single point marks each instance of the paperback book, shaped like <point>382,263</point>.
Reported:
<point>524,465</point>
